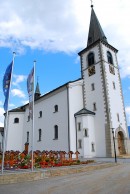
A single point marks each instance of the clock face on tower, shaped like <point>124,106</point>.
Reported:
<point>111,69</point>
<point>91,70</point>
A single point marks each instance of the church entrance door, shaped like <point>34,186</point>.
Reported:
<point>121,146</point>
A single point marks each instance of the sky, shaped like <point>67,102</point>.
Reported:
<point>52,32</point>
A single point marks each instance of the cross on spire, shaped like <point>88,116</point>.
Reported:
<point>91,3</point>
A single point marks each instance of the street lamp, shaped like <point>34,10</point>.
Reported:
<point>114,144</point>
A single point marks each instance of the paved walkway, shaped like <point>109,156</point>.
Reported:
<point>113,180</point>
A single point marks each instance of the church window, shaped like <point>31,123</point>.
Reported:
<point>86,132</point>
<point>118,118</point>
<point>93,147</point>
<point>109,57</point>
<point>80,143</point>
<point>16,120</point>
<point>94,106</point>
<point>114,86</point>
<point>39,134</point>
<point>28,118</point>
<point>55,132</point>
<point>40,114</point>
<point>90,59</point>
<point>92,86</point>
<point>27,136</point>
<point>79,126</point>
<point>56,108</point>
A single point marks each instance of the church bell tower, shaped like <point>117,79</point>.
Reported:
<point>102,92</point>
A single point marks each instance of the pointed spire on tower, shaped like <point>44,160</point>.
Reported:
<point>37,91</point>
<point>95,29</point>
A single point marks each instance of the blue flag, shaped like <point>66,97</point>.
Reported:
<point>6,84</point>
<point>30,88</point>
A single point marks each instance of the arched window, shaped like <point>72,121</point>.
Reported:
<point>90,59</point>
<point>16,120</point>
<point>27,136</point>
<point>86,132</point>
<point>109,57</point>
<point>55,132</point>
<point>39,135</point>
<point>56,108</point>
<point>93,147</point>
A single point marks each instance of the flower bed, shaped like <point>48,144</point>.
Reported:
<point>45,159</point>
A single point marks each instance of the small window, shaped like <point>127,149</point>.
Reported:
<point>90,59</point>
<point>109,57</point>
<point>92,86</point>
<point>94,106</point>
<point>40,114</point>
<point>16,120</point>
<point>27,136</point>
<point>55,132</point>
<point>86,132</point>
<point>93,147</point>
<point>28,118</point>
<point>56,108</point>
<point>114,85</point>
<point>80,143</point>
<point>39,134</point>
<point>79,126</point>
<point>118,118</point>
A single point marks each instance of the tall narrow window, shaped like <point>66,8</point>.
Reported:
<point>114,86</point>
<point>16,120</point>
<point>55,132</point>
<point>40,114</point>
<point>79,126</point>
<point>27,136</point>
<point>118,118</point>
<point>93,148</point>
<point>86,132</point>
<point>80,143</point>
<point>56,108</point>
<point>92,86</point>
<point>94,106</point>
<point>39,134</point>
<point>109,57</point>
<point>90,59</point>
<point>28,118</point>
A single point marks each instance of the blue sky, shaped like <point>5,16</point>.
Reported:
<point>52,33</point>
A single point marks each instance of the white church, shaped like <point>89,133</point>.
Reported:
<point>81,114</point>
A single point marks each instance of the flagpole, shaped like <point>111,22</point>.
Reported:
<point>6,120</point>
<point>33,118</point>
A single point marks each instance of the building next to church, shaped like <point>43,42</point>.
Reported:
<point>78,115</point>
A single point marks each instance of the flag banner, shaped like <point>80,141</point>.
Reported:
<point>30,88</point>
<point>6,84</point>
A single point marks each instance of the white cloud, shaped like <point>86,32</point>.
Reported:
<point>127,109</point>
<point>1,103</point>
<point>1,117</point>
<point>18,79</point>
<point>11,105</point>
<point>25,102</point>
<point>57,26</point>
<point>17,92</point>
<point>1,124</point>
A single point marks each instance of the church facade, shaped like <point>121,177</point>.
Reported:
<point>81,115</point>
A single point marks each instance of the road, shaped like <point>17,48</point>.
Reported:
<point>113,180</point>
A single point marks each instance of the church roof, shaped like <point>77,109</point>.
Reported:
<point>84,111</point>
<point>19,109</point>
<point>95,30</point>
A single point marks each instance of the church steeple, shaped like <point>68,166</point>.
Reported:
<point>95,29</point>
<point>37,91</point>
